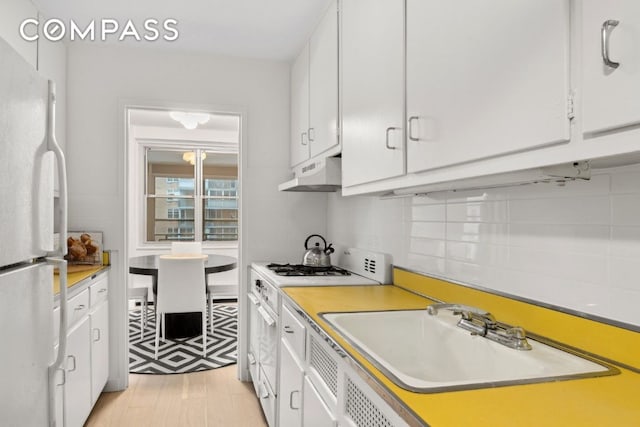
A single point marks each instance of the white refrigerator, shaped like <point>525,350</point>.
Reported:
<point>28,153</point>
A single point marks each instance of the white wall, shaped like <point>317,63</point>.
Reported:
<point>576,246</point>
<point>102,79</point>
<point>12,13</point>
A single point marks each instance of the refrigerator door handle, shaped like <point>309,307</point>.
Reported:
<point>58,257</point>
<point>52,145</point>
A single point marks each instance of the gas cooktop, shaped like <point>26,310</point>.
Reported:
<point>305,270</point>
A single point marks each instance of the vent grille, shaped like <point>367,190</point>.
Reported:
<point>326,367</point>
<point>370,265</point>
<point>361,410</point>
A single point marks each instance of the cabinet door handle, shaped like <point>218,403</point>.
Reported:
<point>389,129</point>
<point>605,33</point>
<point>411,120</point>
<point>288,329</point>
<point>302,135</point>
<point>312,134</point>
<point>80,307</point>
<point>252,359</point>
<point>96,339</point>
<point>72,357</point>
<point>263,392</point>
<point>102,290</point>
<point>64,377</point>
<point>291,400</point>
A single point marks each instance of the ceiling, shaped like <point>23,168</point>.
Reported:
<point>273,29</point>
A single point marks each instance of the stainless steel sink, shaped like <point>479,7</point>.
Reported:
<point>426,353</point>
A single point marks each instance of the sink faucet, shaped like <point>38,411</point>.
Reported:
<point>481,322</point>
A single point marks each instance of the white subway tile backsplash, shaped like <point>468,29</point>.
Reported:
<point>477,212</point>
<point>623,274</point>
<point>428,212</point>
<point>625,242</point>
<point>576,246</point>
<point>570,210</point>
<point>587,239</point>
<point>427,264</point>
<point>563,265</point>
<point>478,232</point>
<point>625,181</point>
<point>428,247</point>
<point>625,209</point>
<point>429,230</point>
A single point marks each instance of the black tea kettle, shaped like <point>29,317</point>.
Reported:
<point>315,256</point>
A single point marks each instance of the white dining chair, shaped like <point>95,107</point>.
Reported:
<point>140,295</point>
<point>181,289</point>
<point>186,248</point>
<point>180,248</point>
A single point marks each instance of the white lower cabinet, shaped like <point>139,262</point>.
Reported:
<point>86,366</point>
<point>77,387</point>
<point>290,380</point>
<point>99,349</point>
<point>316,412</point>
<point>320,388</point>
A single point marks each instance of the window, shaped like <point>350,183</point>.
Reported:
<point>191,201</point>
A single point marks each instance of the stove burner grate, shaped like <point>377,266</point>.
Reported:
<point>305,270</point>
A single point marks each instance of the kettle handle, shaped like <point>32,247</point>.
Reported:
<point>315,235</point>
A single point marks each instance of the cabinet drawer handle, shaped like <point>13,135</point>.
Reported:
<point>102,290</point>
<point>72,357</point>
<point>80,307</point>
<point>389,129</point>
<point>291,400</point>
<point>288,329</point>
<point>411,120</point>
<point>605,33</point>
<point>302,135</point>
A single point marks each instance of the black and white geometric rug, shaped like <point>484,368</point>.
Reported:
<point>178,356</point>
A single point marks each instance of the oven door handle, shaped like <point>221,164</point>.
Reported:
<point>254,299</point>
<point>266,317</point>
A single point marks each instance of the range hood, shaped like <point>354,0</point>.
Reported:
<point>320,175</point>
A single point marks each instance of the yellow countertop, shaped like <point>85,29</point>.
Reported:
<point>603,401</point>
<point>75,277</point>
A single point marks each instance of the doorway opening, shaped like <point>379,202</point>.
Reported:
<point>183,184</point>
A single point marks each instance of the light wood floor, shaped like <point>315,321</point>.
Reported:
<point>209,398</point>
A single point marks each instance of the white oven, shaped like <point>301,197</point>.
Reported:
<point>356,267</point>
<point>263,342</point>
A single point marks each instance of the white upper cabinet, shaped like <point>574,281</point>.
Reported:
<point>300,108</point>
<point>323,84</point>
<point>314,92</point>
<point>485,79</point>
<point>372,51</point>
<point>611,64</point>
